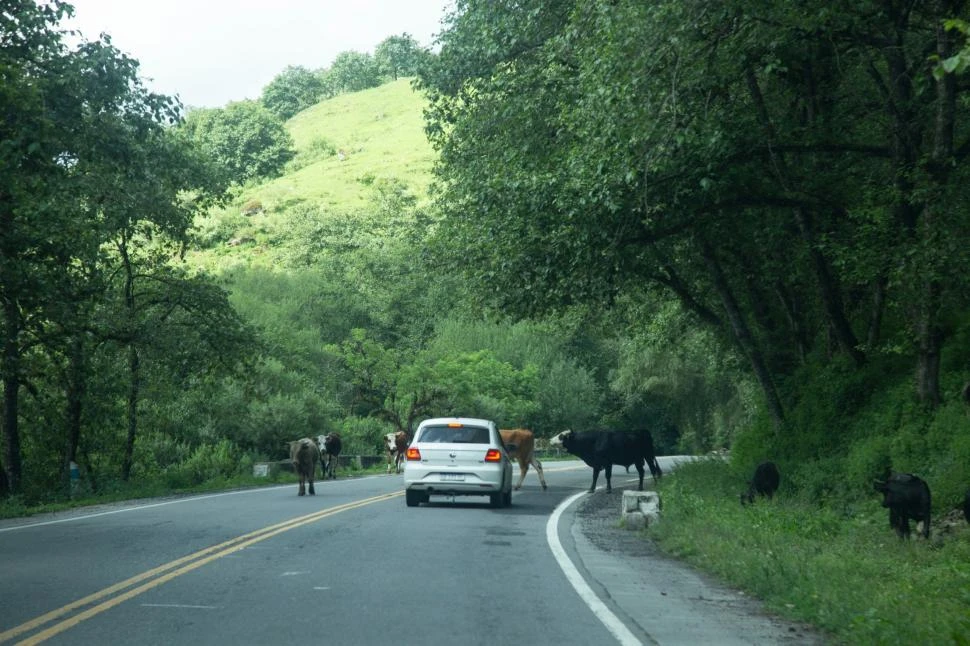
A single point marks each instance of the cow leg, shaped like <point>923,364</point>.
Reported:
<point>608,470</point>
<point>312,492</point>
<point>640,472</point>
<point>523,469</point>
<point>538,468</point>
<point>596,475</point>
<point>302,489</point>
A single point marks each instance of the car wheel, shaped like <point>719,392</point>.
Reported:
<point>507,498</point>
<point>412,498</point>
<point>495,499</point>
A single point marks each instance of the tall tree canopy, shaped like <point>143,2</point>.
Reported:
<point>249,141</point>
<point>398,56</point>
<point>90,172</point>
<point>293,90</point>
<point>351,72</point>
<point>789,173</point>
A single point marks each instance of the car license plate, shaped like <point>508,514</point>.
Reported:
<point>453,477</point>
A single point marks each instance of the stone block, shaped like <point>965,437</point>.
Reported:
<point>634,520</point>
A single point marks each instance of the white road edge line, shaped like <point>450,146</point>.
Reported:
<point>156,504</point>
<point>178,605</point>
<point>604,614</point>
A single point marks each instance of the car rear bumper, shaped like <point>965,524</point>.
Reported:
<point>473,484</point>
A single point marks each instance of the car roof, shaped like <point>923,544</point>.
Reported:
<point>465,421</point>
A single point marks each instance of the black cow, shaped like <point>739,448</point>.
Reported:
<point>329,452</point>
<point>764,483</point>
<point>907,497</point>
<point>602,449</point>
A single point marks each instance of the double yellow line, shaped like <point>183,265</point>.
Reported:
<point>166,572</point>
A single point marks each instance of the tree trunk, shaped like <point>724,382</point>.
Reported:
<point>744,338</point>
<point>134,374</point>
<point>828,286</point>
<point>829,291</point>
<point>876,313</point>
<point>12,462</point>
<point>134,363</point>
<point>75,395</point>
<point>929,331</point>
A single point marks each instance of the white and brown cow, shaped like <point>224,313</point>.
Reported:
<point>520,443</point>
<point>329,454</point>
<point>397,446</point>
<point>304,455</point>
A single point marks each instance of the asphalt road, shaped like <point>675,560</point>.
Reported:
<point>351,565</point>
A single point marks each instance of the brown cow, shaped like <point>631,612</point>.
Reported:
<point>397,445</point>
<point>520,443</point>
<point>304,454</point>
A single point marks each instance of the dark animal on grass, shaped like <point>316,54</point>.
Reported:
<point>602,449</point>
<point>304,455</point>
<point>520,443</point>
<point>763,483</point>
<point>329,453</point>
<point>908,498</point>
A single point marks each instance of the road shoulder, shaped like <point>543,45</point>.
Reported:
<point>659,598</point>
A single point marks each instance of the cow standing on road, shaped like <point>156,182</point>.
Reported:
<point>329,453</point>
<point>304,455</point>
<point>602,449</point>
<point>520,443</point>
<point>397,445</point>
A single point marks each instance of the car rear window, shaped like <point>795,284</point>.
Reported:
<point>455,435</point>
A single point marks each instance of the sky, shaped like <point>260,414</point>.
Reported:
<point>211,52</point>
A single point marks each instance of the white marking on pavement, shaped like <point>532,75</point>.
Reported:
<point>298,572</point>
<point>604,614</point>
<point>177,605</point>
<point>167,502</point>
<point>320,587</point>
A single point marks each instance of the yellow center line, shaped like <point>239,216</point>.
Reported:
<point>194,561</point>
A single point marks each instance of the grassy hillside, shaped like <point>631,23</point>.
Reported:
<point>346,146</point>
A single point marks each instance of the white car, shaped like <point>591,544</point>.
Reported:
<point>457,456</point>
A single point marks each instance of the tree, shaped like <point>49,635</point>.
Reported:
<point>398,56</point>
<point>88,152</point>
<point>725,155</point>
<point>352,72</point>
<point>246,139</point>
<point>291,91</point>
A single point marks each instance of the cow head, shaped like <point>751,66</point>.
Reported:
<point>390,442</point>
<point>559,440</point>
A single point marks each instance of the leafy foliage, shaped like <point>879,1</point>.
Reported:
<point>246,139</point>
<point>294,89</point>
<point>398,56</point>
<point>351,72</point>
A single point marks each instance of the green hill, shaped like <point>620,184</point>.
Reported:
<point>345,147</point>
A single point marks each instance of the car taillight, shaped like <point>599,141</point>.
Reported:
<point>413,453</point>
<point>493,455</point>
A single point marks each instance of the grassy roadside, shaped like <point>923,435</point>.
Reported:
<point>842,570</point>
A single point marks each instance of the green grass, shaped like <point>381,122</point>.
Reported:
<point>842,570</point>
<point>381,133</point>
